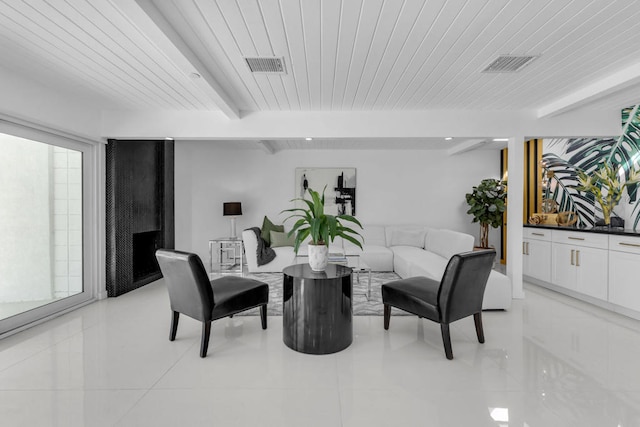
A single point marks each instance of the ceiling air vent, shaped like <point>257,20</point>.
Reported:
<point>266,65</point>
<point>509,63</point>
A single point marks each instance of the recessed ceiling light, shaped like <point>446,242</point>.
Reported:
<point>308,139</point>
<point>500,139</point>
<point>448,138</point>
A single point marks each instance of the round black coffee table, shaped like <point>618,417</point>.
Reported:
<point>317,312</point>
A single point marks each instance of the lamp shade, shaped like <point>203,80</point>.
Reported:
<point>232,209</point>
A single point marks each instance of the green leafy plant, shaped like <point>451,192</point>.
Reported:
<point>487,204</point>
<point>588,154</point>
<point>322,228</point>
<point>562,188</point>
<point>606,187</point>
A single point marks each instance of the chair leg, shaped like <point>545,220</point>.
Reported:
<point>477,318</point>
<point>204,344</point>
<point>446,340</point>
<point>174,325</point>
<point>263,315</point>
<point>387,316</point>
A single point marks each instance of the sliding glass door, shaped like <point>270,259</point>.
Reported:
<point>42,242</point>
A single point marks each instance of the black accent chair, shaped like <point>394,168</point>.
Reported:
<point>459,294</point>
<point>193,294</point>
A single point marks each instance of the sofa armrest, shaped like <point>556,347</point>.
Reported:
<point>250,248</point>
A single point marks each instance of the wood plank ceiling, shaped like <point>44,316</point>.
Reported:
<point>411,54</point>
<point>340,55</point>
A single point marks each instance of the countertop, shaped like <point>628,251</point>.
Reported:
<point>599,229</point>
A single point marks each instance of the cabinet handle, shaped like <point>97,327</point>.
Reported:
<point>524,246</point>
<point>577,258</point>
<point>575,238</point>
<point>572,255</point>
<point>629,244</point>
<point>537,234</point>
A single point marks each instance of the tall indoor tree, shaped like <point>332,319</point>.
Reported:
<point>487,203</point>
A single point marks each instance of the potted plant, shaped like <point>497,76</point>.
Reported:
<point>487,204</point>
<point>606,187</point>
<point>322,228</point>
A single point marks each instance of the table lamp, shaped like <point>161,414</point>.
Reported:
<point>232,209</point>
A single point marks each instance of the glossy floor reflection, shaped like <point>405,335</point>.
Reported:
<point>550,361</point>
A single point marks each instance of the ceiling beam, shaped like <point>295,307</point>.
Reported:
<point>615,82</point>
<point>282,125</point>
<point>150,21</point>
<point>266,146</point>
<point>464,146</point>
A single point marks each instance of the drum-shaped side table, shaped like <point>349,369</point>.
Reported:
<point>317,312</point>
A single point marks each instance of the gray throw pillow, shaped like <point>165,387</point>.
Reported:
<point>267,228</point>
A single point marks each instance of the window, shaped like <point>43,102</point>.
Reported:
<point>43,265</point>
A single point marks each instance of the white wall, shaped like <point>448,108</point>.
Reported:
<point>47,106</point>
<point>393,187</point>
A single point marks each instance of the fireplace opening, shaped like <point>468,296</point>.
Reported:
<point>144,254</point>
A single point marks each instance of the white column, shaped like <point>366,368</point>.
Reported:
<point>515,206</point>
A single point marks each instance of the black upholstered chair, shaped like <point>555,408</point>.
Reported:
<point>193,294</point>
<point>459,294</point>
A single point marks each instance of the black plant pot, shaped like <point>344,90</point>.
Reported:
<point>615,222</point>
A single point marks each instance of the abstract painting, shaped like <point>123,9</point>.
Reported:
<point>339,186</point>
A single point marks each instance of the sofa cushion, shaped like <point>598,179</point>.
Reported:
<point>267,228</point>
<point>409,261</point>
<point>429,265</point>
<point>413,238</point>
<point>373,235</point>
<point>447,243</point>
<point>281,238</point>
<point>370,234</point>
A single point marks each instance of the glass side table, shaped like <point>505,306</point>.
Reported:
<point>226,255</point>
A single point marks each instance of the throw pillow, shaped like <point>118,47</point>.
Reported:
<point>279,238</point>
<point>267,228</point>
<point>408,238</point>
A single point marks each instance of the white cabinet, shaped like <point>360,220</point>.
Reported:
<point>592,271</point>
<point>580,262</point>
<point>601,268</point>
<point>536,254</point>
<point>563,266</point>
<point>624,271</point>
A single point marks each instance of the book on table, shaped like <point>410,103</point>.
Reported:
<point>337,257</point>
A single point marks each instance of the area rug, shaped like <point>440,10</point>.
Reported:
<point>362,306</point>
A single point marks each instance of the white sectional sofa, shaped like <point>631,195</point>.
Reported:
<point>407,250</point>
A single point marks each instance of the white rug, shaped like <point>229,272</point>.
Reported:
<point>362,306</point>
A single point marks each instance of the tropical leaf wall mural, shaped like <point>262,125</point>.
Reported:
<point>565,157</point>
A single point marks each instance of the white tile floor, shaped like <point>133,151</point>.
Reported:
<point>550,361</point>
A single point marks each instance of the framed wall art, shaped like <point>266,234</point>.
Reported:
<point>340,192</point>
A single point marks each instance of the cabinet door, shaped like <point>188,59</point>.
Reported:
<point>538,260</point>
<point>563,269</point>
<point>623,279</point>
<point>525,258</point>
<point>592,271</point>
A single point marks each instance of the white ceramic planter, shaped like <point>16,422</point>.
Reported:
<point>318,257</point>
